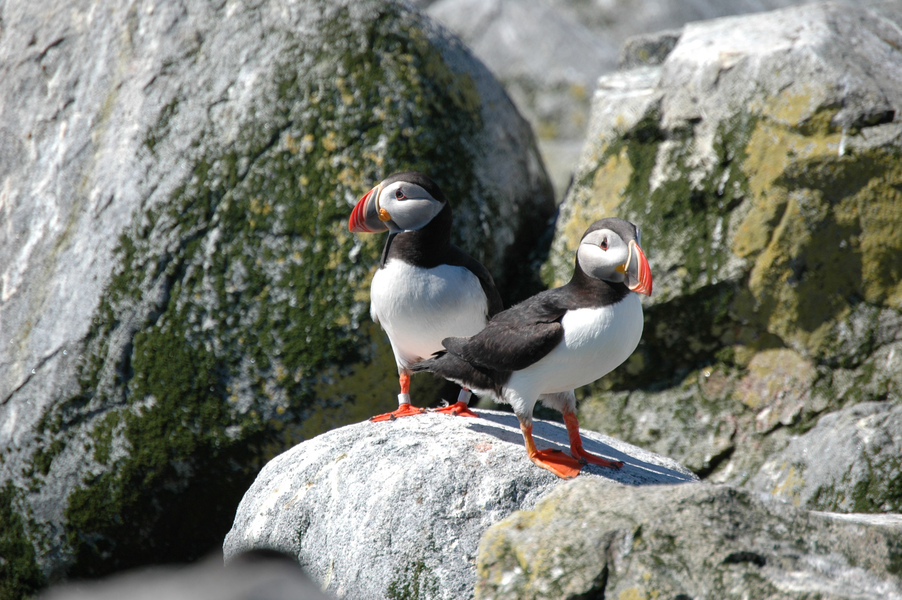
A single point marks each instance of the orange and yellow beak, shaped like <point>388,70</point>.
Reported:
<point>366,216</point>
<point>636,270</point>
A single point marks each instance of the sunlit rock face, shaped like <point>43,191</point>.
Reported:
<point>396,509</point>
<point>181,298</point>
<point>588,540</point>
<point>761,159</point>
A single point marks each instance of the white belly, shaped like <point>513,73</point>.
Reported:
<point>418,308</point>
<point>596,341</point>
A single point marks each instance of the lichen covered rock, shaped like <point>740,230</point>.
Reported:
<point>761,160</point>
<point>184,300</point>
<point>586,540</point>
<point>850,462</point>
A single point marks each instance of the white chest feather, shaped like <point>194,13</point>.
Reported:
<point>596,341</point>
<point>418,308</point>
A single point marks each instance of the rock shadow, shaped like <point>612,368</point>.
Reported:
<point>636,470</point>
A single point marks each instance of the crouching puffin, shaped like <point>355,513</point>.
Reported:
<point>426,288</point>
<point>557,340</point>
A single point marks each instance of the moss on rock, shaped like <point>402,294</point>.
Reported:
<point>771,221</point>
<point>20,576</point>
<point>234,324</point>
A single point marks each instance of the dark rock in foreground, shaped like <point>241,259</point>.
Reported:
<point>264,577</point>
<point>396,509</point>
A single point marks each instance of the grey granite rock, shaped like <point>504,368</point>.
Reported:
<point>550,53</point>
<point>761,160</point>
<point>589,540</point>
<point>851,461</point>
<point>180,298</point>
<point>396,509</point>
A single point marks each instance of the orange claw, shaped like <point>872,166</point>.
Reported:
<point>576,445</point>
<point>553,460</point>
<point>458,409</point>
<point>557,462</point>
<point>404,410</point>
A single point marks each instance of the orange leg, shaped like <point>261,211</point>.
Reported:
<point>576,445</point>
<point>553,460</point>
<point>405,409</point>
<point>461,408</point>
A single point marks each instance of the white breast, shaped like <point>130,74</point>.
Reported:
<point>418,308</point>
<point>596,341</point>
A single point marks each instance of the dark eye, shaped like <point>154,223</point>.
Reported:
<point>399,194</point>
<point>604,244</point>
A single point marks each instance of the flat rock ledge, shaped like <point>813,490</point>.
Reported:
<point>397,509</point>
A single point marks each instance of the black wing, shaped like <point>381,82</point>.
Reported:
<point>515,338</point>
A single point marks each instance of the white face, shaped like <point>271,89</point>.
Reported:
<point>603,255</point>
<point>407,206</point>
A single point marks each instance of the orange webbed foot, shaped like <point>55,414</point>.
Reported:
<point>557,462</point>
<point>404,410</point>
<point>458,409</point>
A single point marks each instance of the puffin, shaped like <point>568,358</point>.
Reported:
<point>546,346</point>
<point>426,289</point>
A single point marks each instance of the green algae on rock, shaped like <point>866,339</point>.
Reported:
<point>233,300</point>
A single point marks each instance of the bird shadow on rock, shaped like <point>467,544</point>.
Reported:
<point>638,468</point>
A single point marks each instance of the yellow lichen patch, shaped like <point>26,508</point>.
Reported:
<point>791,485</point>
<point>610,182</point>
<point>632,594</point>
<point>777,283</point>
<point>794,106</point>
<point>330,141</point>
<point>879,213</point>
<point>292,144</point>
<point>603,200</point>
<point>829,231</point>
<point>260,207</point>
<point>772,147</point>
<point>753,233</point>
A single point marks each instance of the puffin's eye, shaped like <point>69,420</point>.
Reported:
<point>399,194</point>
<point>604,244</point>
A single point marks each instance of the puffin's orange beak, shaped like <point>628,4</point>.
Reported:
<point>365,217</point>
<point>637,271</point>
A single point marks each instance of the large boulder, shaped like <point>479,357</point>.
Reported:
<point>396,509</point>
<point>761,159</point>
<point>181,299</point>
<point>550,53</point>
<point>589,540</point>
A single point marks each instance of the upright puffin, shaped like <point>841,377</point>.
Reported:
<point>426,288</point>
<point>558,340</point>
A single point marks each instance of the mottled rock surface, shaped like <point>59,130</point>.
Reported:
<point>396,509</point>
<point>851,461</point>
<point>761,159</point>
<point>550,53</point>
<point>181,299</point>
<point>592,540</point>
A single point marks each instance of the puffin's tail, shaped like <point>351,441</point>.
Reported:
<point>430,364</point>
<point>453,368</point>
